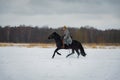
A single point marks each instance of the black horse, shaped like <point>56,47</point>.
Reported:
<point>75,46</point>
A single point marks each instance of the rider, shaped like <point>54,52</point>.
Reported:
<point>66,37</point>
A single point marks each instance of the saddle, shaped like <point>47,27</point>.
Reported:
<point>67,46</point>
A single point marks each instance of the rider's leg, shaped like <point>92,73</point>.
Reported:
<point>63,44</point>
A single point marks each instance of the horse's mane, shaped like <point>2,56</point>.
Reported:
<point>57,35</point>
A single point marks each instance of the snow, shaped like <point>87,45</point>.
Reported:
<point>21,63</point>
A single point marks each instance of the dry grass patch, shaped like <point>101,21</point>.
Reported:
<point>100,45</point>
<point>6,44</point>
<point>28,45</point>
<point>42,45</point>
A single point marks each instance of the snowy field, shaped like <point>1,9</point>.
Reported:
<point>21,63</point>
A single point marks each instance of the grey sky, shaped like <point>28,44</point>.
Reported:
<point>101,14</point>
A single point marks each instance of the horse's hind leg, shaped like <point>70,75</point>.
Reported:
<point>82,50</point>
<point>70,53</point>
<point>77,52</point>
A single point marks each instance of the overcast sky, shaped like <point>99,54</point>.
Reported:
<point>102,14</point>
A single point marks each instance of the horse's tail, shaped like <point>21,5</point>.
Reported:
<point>82,50</point>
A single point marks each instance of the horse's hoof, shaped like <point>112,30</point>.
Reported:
<point>66,56</point>
<point>52,57</point>
<point>85,55</point>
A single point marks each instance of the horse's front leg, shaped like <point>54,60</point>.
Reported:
<point>58,53</point>
<point>55,52</point>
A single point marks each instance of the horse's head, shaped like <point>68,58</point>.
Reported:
<point>52,36</point>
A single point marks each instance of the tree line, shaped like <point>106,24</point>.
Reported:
<point>29,34</point>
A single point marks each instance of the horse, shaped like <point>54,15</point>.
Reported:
<point>75,45</point>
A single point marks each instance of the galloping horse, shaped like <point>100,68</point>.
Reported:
<point>75,46</point>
